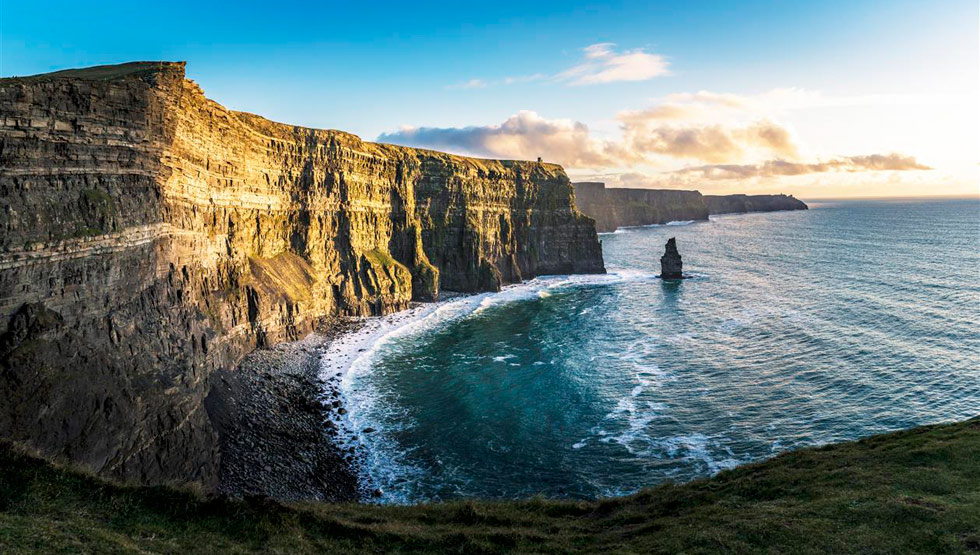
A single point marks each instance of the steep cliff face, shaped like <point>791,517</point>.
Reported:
<point>614,208</point>
<point>738,204</point>
<point>151,236</point>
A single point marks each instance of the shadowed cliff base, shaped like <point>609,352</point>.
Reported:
<point>612,208</point>
<point>915,491</point>
<point>277,422</point>
<point>152,238</point>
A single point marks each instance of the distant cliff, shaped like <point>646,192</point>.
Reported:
<point>151,236</point>
<point>612,208</point>
<point>737,204</point>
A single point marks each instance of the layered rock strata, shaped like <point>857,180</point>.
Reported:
<point>615,208</point>
<point>621,207</point>
<point>740,204</point>
<point>150,237</point>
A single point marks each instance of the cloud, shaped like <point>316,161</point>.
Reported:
<point>773,168</point>
<point>525,135</point>
<point>471,84</point>
<point>524,78</point>
<point>730,136</point>
<point>707,126</point>
<point>710,143</point>
<point>891,161</point>
<point>603,64</point>
<point>482,84</point>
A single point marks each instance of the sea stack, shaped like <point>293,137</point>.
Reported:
<point>670,262</point>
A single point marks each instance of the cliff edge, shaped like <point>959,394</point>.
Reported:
<point>740,204</point>
<point>151,237</point>
<point>621,207</point>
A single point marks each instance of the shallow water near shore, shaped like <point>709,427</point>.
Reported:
<point>796,329</point>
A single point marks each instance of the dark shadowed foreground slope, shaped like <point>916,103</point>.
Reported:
<point>916,491</point>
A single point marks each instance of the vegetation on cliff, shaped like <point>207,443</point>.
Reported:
<point>915,491</point>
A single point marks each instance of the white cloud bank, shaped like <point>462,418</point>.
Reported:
<point>525,135</point>
<point>681,141</point>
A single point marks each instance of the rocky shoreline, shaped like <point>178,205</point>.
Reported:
<point>283,429</point>
<point>278,421</point>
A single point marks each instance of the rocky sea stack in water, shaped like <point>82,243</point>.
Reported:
<point>670,262</point>
<point>150,238</point>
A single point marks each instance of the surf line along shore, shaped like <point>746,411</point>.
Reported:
<point>281,418</point>
<point>294,424</point>
<point>351,356</point>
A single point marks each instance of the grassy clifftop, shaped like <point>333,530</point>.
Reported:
<point>916,491</point>
<point>104,73</point>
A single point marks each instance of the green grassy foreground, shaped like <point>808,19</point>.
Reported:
<point>916,491</point>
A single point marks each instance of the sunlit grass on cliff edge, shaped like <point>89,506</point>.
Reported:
<point>915,491</point>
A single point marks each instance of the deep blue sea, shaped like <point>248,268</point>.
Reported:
<point>796,329</point>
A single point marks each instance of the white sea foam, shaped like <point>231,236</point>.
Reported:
<point>637,438</point>
<point>350,358</point>
<point>696,447</point>
<point>634,228</point>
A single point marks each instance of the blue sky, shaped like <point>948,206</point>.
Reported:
<point>370,68</point>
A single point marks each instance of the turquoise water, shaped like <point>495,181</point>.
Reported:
<point>798,328</point>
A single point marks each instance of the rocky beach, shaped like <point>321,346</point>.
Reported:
<point>280,415</point>
<point>277,423</point>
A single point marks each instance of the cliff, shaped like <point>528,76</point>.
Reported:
<point>151,237</point>
<point>614,208</point>
<point>621,207</point>
<point>738,204</point>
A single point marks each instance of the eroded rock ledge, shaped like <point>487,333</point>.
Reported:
<point>150,237</point>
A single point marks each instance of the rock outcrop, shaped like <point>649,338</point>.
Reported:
<point>151,237</point>
<point>671,265</point>
<point>621,207</point>
<point>739,204</point>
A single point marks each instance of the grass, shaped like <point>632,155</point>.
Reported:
<point>382,259</point>
<point>916,491</point>
<point>99,73</point>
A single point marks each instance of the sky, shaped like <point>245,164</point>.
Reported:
<point>817,99</point>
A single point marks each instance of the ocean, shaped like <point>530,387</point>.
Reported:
<point>795,329</point>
